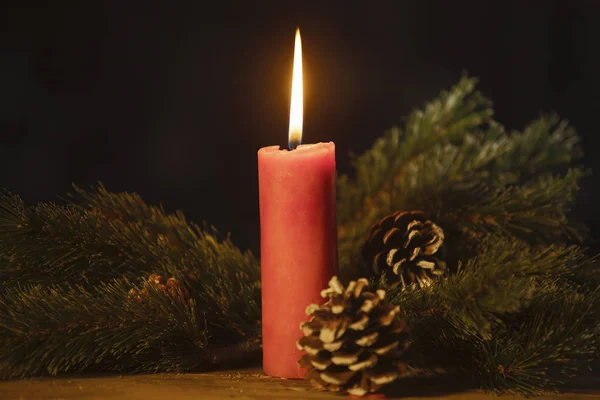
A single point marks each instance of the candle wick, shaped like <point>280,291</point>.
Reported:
<point>293,143</point>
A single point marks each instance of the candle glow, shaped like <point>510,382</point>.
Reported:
<point>296,106</point>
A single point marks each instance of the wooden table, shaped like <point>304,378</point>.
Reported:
<point>242,384</point>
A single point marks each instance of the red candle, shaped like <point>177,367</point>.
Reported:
<point>298,236</point>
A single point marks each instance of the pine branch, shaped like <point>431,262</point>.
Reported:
<point>555,336</point>
<point>545,143</point>
<point>502,278</point>
<point>113,235</point>
<point>482,153</point>
<point>477,157</point>
<point>507,318</point>
<point>457,111</point>
<point>109,326</point>
<point>130,208</point>
<point>481,181</point>
<point>61,329</point>
<point>64,259</point>
<point>536,211</point>
<point>390,164</point>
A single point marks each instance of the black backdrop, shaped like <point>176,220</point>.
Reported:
<point>173,99</point>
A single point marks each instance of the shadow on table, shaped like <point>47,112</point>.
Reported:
<point>248,361</point>
<point>587,381</point>
<point>427,386</point>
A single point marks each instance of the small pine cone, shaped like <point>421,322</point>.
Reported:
<point>156,279</point>
<point>405,245</point>
<point>175,289</point>
<point>354,342</point>
<point>135,294</point>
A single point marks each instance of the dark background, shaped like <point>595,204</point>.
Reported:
<point>173,99</point>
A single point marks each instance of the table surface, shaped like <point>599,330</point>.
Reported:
<point>242,384</point>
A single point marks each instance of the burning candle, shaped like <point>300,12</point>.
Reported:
<point>298,234</point>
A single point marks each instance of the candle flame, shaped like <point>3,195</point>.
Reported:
<point>296,107</point>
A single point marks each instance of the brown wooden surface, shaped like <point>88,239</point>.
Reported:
<point>242,384</point>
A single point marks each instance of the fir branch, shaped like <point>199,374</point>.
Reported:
<point>114,235</point>
<point>553,338</point>
<point>58,329</point>
<point>490,157</point>
<point>536,211</point>
<point>545,143</point>
<point>130,208</point>
<point>12,208</point>
<point>507,318</point>
<point>479,154</point>
<point>502,278</point>
<point>62,257</point>
<point>477,158</point>
<point>71,328</point>
<point>455,112</point>
<point>480,182</point>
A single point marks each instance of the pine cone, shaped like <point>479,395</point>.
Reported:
<point>173,288</point>
<point>354,342</point>
<point>403,245</point>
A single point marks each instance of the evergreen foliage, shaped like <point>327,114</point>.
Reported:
<point>471,173</point>
<point>521,302</point>
<point>67,270</point>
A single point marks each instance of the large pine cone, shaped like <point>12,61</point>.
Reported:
<point>353,342</point>
<point>405,246</point>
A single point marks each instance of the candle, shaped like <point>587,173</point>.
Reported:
<point>298,234</point>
